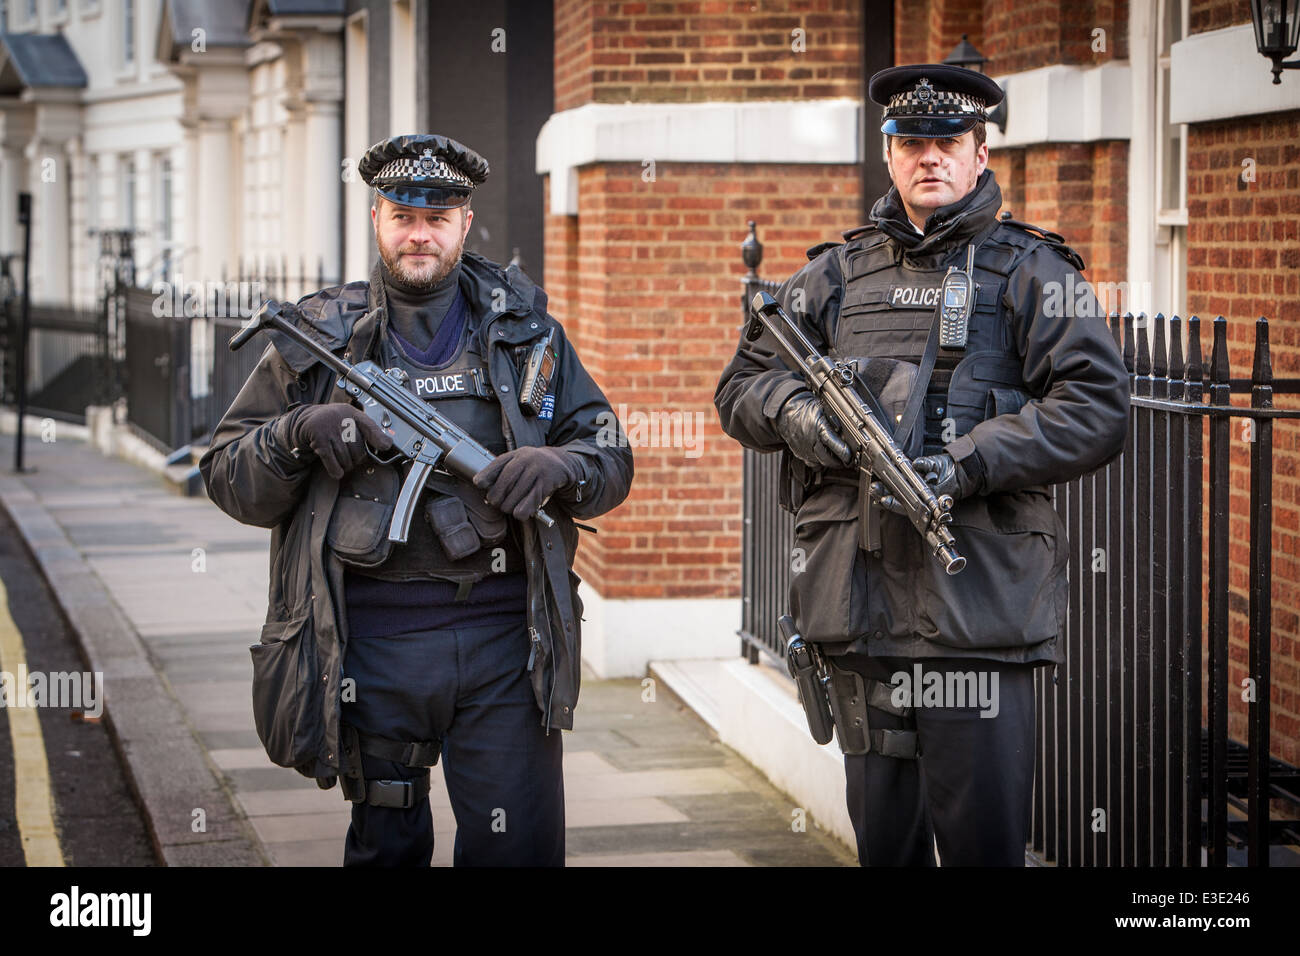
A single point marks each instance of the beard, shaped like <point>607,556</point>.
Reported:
<point>421,277</point>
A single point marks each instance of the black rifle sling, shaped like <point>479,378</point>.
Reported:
<point>912,444</point>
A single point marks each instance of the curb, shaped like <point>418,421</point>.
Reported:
<point>167,767</point>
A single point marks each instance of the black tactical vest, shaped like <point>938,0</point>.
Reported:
<point>461,392</point>
<point>889,307</point>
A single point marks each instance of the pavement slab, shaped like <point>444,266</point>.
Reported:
<point>647,783</point>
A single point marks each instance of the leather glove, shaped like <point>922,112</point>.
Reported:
<point>940,472</point>
<point>808,432</point>
<point>338,446</point>
<point>518,481</point>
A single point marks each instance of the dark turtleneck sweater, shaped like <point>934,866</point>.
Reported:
<point>415,315</point>
<point>380,604</point>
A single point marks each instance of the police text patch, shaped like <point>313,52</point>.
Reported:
<point>456,383</point>
<point>904,296</point>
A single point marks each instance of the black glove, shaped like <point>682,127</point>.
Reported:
<point>940,472</point>
<point>808,432</point>
<point>340,447</point>
<point>520,480</point>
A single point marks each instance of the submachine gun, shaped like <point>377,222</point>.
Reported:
<point>420,432</point>
<point>876,455</point>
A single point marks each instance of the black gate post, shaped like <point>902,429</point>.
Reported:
<point>1220,516</point>
<point>24,326</point>
<point>1261,600</point>
<point>751,251</point>
<point>1193,594</point>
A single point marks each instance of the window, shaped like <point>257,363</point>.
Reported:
<point>128,31</point>
<point>163,215</point>
<point>127,213</point>
<point>1171,169</point>
<point>92,195</point>
<point>1171,144</point>
<point>401,69</point>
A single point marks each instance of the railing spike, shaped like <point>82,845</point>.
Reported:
<point>1160,350</point>
<point>1128,341</point>
<point>1195,373</point>
<point>751,251</point>
<point>1143,365</point>
<point>1220,369</point>
<point>1176,366</point>
<point>1261,372</point>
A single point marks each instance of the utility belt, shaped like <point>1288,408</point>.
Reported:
<point>835,696</point>
<point>850,696</point>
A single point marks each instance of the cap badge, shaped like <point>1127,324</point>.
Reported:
<point>427,163</point>
<point>924,91</point>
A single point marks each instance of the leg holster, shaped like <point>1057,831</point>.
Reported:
<point>401,794</point>
<point>851,694</point>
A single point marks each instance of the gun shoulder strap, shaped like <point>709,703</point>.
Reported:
<point>909,438</point>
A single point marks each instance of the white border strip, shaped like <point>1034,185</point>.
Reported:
<point>816,131</point>
<point>1220,75</point>
<point>1065,104</point>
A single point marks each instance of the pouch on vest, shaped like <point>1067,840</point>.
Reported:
<point>358,528</point>
<point>488,523</point>
<point>890,382</point>
<point>447,517</point>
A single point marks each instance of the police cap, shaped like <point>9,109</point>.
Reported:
<point>423,170</point>
<point>930,100</point>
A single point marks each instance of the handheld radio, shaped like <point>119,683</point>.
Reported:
<point>956,300</point>
<point>537,375</point>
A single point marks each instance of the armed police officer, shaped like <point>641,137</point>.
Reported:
<point>378,658</point>
<point>993,408</point>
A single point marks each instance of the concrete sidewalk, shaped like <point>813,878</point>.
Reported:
<point>167,593</point>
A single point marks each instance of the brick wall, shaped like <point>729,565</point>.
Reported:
<point>1206,15</point>
<point>574,48</point>
<point>687,51</point>
<point>926,31</point>
<point>912,32</point>
<point>1077,189</point>
<point>1028,34</point>
<point>1243,261</point>
<point>651,273</point>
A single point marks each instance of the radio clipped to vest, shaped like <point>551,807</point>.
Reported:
<point>538,371</point>
<point>956,300</point>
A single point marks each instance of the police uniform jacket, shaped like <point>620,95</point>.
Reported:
<point>251,474</point>
<point>1040,395</point>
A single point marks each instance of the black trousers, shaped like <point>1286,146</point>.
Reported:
<point>969,791</point>
<point>468,687</point>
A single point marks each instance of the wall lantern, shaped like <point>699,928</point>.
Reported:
<point>1277,24</point>
<point>965,55</point>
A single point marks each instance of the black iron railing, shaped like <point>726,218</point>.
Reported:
<point>1134,765</point>
<point>181,375</point>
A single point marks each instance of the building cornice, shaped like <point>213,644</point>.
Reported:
<point>1220,75</point>
<point>804,131</point>
<point>1065,104</point>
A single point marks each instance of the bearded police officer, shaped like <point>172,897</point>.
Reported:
<point>1006,399</point>
<point>378,659</point>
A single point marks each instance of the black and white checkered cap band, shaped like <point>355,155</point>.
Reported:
<point>925,100</point>
<point>424,169</point>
